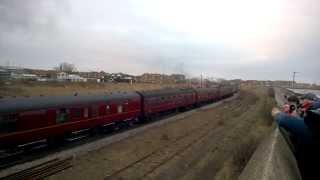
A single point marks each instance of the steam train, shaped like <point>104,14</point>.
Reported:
<point>25,120</point>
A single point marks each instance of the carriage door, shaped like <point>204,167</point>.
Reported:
<point>62,115</point>
<point>8,123</point>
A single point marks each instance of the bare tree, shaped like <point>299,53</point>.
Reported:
<point>66,67</point>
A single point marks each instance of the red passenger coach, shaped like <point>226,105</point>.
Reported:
<point>24,120</point>
<point>158,101</point>
<point>227,90</point>
<point>205,95</point>
<point>28,120</point>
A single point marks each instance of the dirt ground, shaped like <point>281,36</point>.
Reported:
<point>43,88</point>
<point>214,143</point>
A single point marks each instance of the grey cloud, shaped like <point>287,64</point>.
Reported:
<point>110,36</point>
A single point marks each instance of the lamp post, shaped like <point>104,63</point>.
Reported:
<point>293,78</point>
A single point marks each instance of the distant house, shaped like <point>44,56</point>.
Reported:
<point>23,76</point>
<point>162,78</point>
<point>43,74</point>
<point>94,76</point>
<point>178,78</point>
<point>17,73</point>
<point>121,77</point>
<point>63,76</point>
<point>282,83</point>
<point>151,78</point>
<point>76,78</point>
<point>5,75</point>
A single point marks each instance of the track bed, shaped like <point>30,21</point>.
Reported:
<point>213,142</point>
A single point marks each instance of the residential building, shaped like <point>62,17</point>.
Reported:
<point>63,76</point>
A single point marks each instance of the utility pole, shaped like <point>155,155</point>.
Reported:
<point>201,81</point>
<point>162,74</point>
<point>293,78</point>
<point>8,64</point>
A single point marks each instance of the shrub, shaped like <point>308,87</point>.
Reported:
<point>243,152</point>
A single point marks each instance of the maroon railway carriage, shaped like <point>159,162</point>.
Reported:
<point>205,95</point>
<point>157,101</point>
<point>227,90</point>
<point>24,120</point>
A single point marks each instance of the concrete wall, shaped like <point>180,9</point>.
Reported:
<point>272,160</point>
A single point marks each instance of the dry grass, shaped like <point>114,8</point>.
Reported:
<point>54,88</point>
<point>221,123</point>
<point>260,124</point>
<point>165,137</point>
<point>261,127</point>
<point>271,92</point>
<point>243,153</point>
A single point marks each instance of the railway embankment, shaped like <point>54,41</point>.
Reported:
<point>273,159</point>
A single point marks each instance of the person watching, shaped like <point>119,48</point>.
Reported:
<point>304,134</point>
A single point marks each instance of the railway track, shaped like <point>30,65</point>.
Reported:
<point>154,160</point>
<point>9,159</point>
<point>194,138</point>
<point>42,170</point>
<point>180,138</point>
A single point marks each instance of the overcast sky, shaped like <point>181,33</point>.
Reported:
<point>249,39</point>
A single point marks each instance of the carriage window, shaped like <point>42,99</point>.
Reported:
<point>62,115</point>
<point>120,109</point>
<point>77,113</point>
<point>8,123</point>
<point>86,112</point>
<point>94,111</point>
<point>108,109</point>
